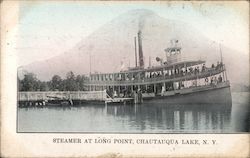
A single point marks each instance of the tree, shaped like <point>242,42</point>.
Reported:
<point>56,83</point>
<point>43,86</point>
<point>20,84</point>
<point>70,82</point>
<point>29,82</point>
<point>80,79</point>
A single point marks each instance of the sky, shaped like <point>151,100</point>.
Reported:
<point>49,28</point>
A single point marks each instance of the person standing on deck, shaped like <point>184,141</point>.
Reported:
<point>206,81</point>
<point>203,67</point>
<point>212,66</point>
<point>212,80</point>
<point>215,80</point>
<point>219,79</point>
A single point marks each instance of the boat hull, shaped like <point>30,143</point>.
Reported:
<point>221,95</point>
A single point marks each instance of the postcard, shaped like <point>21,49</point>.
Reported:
<point>125,79</point>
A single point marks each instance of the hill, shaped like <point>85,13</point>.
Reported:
<point>113,44</point>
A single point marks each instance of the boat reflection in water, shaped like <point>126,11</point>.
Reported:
<point>139,118</point>
<point>210,118</point>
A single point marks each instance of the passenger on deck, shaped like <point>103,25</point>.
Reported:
<point>215,80</point>
<point>182,73</point>
<point>182,85</point>
<point>191,70</point>
<point>195,70</point>
<point>206,81</point>
<point>212,66</point>
<point>212,80</point>
<point>203,67</point>
<point>218,66</point>
<point>219,79</point>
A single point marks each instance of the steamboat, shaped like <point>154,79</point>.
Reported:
<point>172,81</point>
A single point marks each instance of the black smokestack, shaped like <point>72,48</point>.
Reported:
<point>141,62</point>
<point>135,53</point>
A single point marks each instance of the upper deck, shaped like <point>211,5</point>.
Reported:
<point>179,65</point>
<point>153,75</point>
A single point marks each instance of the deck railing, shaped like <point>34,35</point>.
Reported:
<point>158,79</point>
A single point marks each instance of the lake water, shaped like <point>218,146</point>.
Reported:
<point>142,118</point>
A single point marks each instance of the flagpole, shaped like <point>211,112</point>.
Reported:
<point>221,60</point>
<point>221,55</point>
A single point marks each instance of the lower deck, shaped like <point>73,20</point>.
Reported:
<point>219,93</point>
<point>207,94</point>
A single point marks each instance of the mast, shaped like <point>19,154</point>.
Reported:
<point>149,61</point>
<point>89,63</point>
<point>135,53</point>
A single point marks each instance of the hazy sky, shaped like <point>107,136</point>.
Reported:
<point>47,29</point>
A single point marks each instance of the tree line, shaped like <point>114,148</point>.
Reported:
<point>71,83</point>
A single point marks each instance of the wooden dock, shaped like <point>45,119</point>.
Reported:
<point>61,95</point>
<point>29,99</point>
<point>62,98</point>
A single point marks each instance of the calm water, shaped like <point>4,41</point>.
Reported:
<point>140,118</point>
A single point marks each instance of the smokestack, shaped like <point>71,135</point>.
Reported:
<point>135,53</point>
<point>141,62</point>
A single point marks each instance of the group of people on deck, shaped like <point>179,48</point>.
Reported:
<point>130,92</point>
<point>218,66</point>
<point>213,80</point>
<point>178,72</point>
<point>168,73</point>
